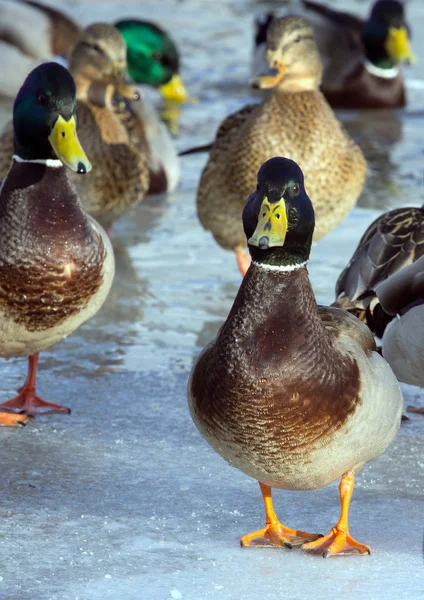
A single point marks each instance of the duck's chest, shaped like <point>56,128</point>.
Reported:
<point>51,259</point>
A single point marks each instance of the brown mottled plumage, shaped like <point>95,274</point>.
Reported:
<point>292,394</point>
<point>294,121</point>
<point>57,266</point>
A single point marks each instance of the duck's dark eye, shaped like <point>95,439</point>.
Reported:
<point>297,39</point>
<point>295,189</point>
<point>42,99</point>
<point>157,55</point>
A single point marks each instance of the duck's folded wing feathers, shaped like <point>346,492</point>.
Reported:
<point>392,241</point>
<point>339,323</point>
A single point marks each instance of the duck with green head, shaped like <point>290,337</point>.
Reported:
<point>291,393</point>
<point>56,263</point>
<point>153,57</point>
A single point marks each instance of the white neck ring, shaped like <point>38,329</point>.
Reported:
<point>280,268</point>
<point>379,72</point>
<point>55,163</point>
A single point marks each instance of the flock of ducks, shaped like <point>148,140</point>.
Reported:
<point>293,394</point>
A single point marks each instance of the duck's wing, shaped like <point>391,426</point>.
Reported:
<point>6,149</point>
<point>338,36</point>
<point>349,22</point>
<point>339,323</point>
<point>230,125</point>
<point>402,289</point>
<point>63,30</point>
<point>391,242</point>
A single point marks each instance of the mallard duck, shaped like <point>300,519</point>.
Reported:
<point>122,142</point>
<point>56,263</point>
<point>380,282</point>
<point>32,32</point>
<point>292,394</point>
<point>294,121</point>
<point>361,57</point>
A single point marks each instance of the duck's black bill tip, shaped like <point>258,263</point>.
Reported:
<point>81,169</point>
<point>264,242</point>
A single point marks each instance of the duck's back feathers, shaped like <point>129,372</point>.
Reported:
<point>64,32</point>
<point>392,241</point>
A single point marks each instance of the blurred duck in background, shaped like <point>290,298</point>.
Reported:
<point>383,285</point>
<point>131,156</point>
<point>294,121</point>
<point>56,262</point>
<point>33,32</point>
<point>361,58</point>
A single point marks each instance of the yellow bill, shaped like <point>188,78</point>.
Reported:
<point>272,225</point>
<point>174,90</point>
<point>65,143</point>
<point>269,78</point>
<point>397,45</point>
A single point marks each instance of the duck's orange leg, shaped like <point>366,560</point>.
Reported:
<point>11,420</point>
<point>414,409</point>
<point>274,533</point>
<point>243,260</point>
<point>27,400</point>
<point>339,541</point>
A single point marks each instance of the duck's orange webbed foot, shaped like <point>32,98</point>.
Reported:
<point>339,540</point>
<point>27,401</point>
<point>274,533</point>
<point>336,542</point>
<point>243,260</point>
<point>12,420</point>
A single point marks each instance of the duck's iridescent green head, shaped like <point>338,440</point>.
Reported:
<point>153,57</point>
<point>45,116</point>
<point>278,218</point>
<point>386,36</point>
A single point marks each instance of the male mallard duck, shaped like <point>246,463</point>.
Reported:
<point>113,130</point>
<point>294,121</point>
<point>153,58</point>
<point>361,57</point>
<point>56,263</point>
<point>32,32</point>
<point>380,282</point>
<point>292,394</point>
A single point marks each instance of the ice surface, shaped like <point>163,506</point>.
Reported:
<point>123,499</point>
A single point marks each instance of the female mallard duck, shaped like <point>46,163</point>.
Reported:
<point>361,57</point>
<point>32,32</point>
<point>292,394</point>
<point>56,263</point>
<point>123,148</point>
<point>378,284</point>
<point>294,121</point>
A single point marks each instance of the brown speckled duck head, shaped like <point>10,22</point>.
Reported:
<point>278,218</point>
<point>98,60</point>
<point>292,55</point>
<point>45,119</point>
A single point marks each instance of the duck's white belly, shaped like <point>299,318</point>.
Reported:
<point>17,340</point>
<point>403,346</point>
